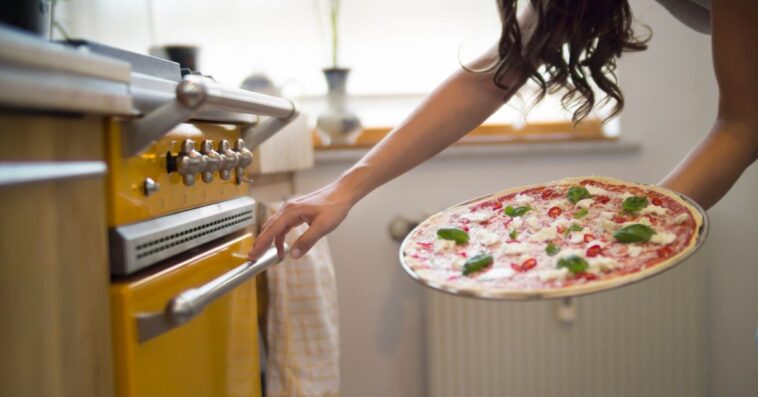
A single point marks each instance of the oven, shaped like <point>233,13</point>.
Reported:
<point>183,294</point>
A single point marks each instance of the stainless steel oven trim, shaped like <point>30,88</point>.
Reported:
<point>188,304</point>
<point>136,246</point>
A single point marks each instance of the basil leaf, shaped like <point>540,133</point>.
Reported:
<point>476,263</point>
<point>457,235</point>
<point>513,234</point>
<point>581,213</point>
<point>552,249</point>
<point>634,203</point>
<point>576,193</point>
<point>636,233</point>
<point>518,211</point>
<point>575,228</point>
<point>575,264</point>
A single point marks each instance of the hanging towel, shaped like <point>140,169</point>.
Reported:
<point>302,338</point>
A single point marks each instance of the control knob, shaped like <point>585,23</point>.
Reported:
<point>214,160</point>
<point>245,159</point>
<point>229,159</point>
<point>190,162</point>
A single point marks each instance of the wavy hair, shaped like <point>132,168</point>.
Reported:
<point>570,44</point>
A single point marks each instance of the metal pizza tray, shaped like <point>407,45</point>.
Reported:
<point>558,293</point>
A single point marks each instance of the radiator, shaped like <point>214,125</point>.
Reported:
<point>647,340</point>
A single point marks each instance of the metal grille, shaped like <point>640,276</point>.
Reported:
<point>133,247</point>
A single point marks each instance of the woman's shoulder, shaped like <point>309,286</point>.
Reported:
<point>694,13</point>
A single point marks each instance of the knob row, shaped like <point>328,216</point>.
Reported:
<point>206,162</point>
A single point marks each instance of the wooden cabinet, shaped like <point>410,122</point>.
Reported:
<point>55,334</point>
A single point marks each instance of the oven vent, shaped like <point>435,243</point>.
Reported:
<point>136,246</point>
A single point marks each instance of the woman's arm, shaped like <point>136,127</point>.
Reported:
<point>715,164</point>
<point>457,106</point>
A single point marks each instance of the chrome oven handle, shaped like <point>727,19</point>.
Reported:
<point>197,93</point>
<point>188,304</point>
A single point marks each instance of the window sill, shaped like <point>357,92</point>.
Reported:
<point>501,148</point>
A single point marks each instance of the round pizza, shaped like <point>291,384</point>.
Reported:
<point>562,238</point>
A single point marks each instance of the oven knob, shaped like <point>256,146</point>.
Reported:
<point>246,156</point>
<point>229,159</point>
<point>214,160</point>
<point>190,162</point>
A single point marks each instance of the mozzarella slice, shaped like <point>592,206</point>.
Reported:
<point>594,190</point>
<point>485,237</point>
<point>544,234</point>
<point>477,217</point>
<point>586,203</point>
<point>514,248</point>
<point>634,251</point>
<point>663,238</point>
<point>523,199</point>
<point>553,274</point>
<point>533,223</point>
<point>681,218</point>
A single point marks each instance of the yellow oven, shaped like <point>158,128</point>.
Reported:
<point>188,326</point>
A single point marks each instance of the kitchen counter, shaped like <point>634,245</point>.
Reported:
<point>42,75</point>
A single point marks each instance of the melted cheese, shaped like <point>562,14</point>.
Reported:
<point>586,203</point>
<point>634,250</point>
<point>681,218</point>
<point>533,223</point>
<point>514,248</point>
<point>477,217</point>
<point>663,238</point>
<point>485,237</point>
<point>594,190</point>
<point>523,199</point>
<point>544,234</point>
<point>601,264</point>
<point>553,274</point>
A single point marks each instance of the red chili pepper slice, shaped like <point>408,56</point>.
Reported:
<point>593,251</point>
<point>602,199</point>
<point>548,194</point>
<point>588,237</point>
<point>426,246</point>
<point>656,201</point>
<point>619,219</point>
<point>529,264</point>
<point>554,212</point>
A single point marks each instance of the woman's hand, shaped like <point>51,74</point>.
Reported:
<point>322,210</point>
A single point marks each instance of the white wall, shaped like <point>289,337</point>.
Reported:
<point>671,100</point>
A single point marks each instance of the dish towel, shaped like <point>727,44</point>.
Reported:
<point>302,336</point>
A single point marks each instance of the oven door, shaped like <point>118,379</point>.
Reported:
<point>213,353</point>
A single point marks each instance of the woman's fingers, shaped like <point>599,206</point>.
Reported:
<point>308,239</point>
<point>278,225</point>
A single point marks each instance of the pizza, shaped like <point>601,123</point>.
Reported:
<point>562,238</point>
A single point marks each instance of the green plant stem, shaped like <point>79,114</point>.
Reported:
<point>335,9</point>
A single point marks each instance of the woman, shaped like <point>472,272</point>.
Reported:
<point>576,42</point>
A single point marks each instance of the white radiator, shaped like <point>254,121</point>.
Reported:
<point>645,340</point>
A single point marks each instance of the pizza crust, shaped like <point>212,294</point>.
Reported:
<point>698,236</point>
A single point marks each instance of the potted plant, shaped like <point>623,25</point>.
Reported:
<point>338,123</point>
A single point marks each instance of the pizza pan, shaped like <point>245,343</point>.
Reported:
<point>555,293</point>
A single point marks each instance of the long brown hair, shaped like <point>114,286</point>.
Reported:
<point>571,43</point>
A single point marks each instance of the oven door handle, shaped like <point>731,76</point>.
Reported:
<point>188,304</point>
<point>197,94</point>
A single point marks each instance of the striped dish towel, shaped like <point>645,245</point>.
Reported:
<point>302,338</point>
